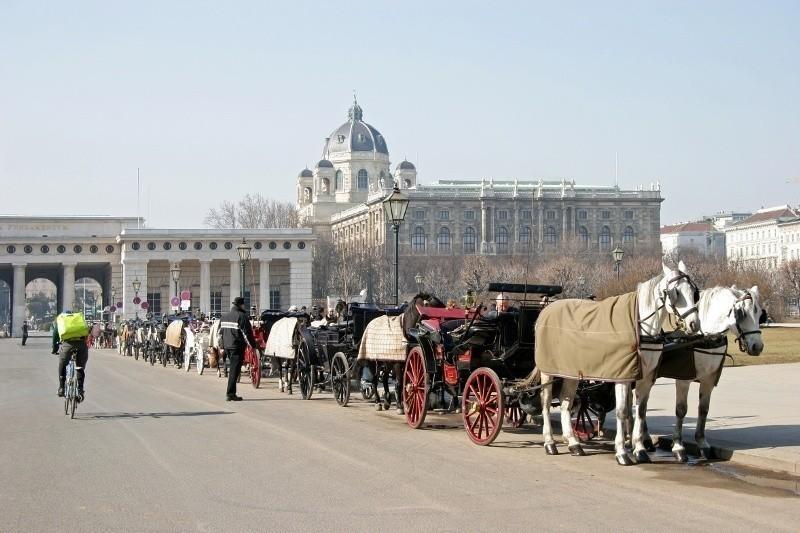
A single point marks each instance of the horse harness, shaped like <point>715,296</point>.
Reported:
<point>738,314</point>
<point>668,297</point>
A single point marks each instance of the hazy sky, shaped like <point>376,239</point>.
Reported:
<point>213,100</point>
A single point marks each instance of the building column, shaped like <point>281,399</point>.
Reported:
<point>540,222</point>
<point>300,283</point>
<point>263,284</point>
<point>205,286</point>
<point>234,279</point>
<point>68,287</point>
<point>18,301</point>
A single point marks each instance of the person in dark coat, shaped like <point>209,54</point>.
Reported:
<point>237,335</point>
<point>24,333</point>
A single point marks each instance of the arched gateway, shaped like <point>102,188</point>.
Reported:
<point>132,264</point>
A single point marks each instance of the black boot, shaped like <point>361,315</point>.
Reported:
<point>61,388</point>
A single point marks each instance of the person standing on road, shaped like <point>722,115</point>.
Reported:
<point>24,332</point>
<point>237,334</point>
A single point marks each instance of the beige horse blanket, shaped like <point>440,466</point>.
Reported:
<point>174,334</point>
<point>383,340</point>
<point>281,338</point>
<point>583,339</point>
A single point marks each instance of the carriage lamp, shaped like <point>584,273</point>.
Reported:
<point>394,210</point>
<point>244,255</point>
<point>617,253</point>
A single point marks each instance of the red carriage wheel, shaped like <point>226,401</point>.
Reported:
<point>482,406</point>
<point>515,416</point>
<point>416,384</point>
<point>251,358</point>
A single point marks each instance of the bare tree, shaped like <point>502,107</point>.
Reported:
<point>254,211</point>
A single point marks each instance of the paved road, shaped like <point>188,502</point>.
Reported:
<point>157,449</point>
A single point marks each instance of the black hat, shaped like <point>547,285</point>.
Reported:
<point>238,301</point>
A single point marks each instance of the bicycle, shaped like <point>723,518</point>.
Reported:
<point>71,398</point>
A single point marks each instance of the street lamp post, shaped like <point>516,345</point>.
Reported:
<point>244,255</point>
<point>418,278</point>
<point>394,210</point>
<point>175,272</point>
<point>581,285</point>
<point>617,253</point>
<point>136,284</point>
<point>113,303</point>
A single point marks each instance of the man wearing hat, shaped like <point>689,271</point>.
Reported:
<point>237,334</point>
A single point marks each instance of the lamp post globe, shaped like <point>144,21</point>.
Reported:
<point>244,256</point>
<point>617,253</point>
<point>394,211</point>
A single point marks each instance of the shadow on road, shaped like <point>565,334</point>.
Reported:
<point>113,416</point>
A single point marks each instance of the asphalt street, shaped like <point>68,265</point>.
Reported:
<point>157,449</point>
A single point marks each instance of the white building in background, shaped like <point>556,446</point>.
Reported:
<point>761,238</point>
<point>701,237</point>
<point>114,253</point>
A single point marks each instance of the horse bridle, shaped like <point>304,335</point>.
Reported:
<point>739,312</point>
<point>666,297</point>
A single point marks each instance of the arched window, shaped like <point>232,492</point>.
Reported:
<point>418,240</point>
<point>627,236</point>
<point>605,238</point>
<point>443,241</point>
<point>550,236</point>
<point>525,235</point>
<point>469,241</point>
<point>325,185</point>
<point>363,180</point>
<point>501,240</point>
<point>583,236</point>
<point>339,180</point>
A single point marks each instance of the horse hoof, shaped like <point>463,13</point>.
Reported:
<point>400,411</point>
<point>706,453</point>
<point>378,407</point>
<point>577,450</point>
<point>642,457</point>
<point>648,445</point>
<point>550,449</point>
<point>680,456</point>
<point>624,459</point>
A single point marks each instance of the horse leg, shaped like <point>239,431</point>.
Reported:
<point>547,427</point>
<point>568,389</point>
<point>387,397</point>
<point>398,387</point>
<point>681,407</point>
<point>290,366</point>
<point>706,388</point>
<point>375,377</point>
<point>622,392</point>
<point>642,393</point>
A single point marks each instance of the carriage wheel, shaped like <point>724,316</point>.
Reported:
<point>340,381</point>
<point>305,370</point>
<point>482,406</point>
<point>586,424</point>
<point>153,351</point>
<point>416,383</point>
<point>188,361</point>
<point>165,356</point>
<point>255,367</point>
<point>135,353</point>
<point>515,416</point>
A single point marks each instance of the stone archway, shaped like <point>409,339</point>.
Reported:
<point>41,302</point>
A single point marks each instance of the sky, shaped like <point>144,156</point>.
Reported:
<point>214,100</point>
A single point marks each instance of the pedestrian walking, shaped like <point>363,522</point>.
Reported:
<point>237,335</point>
<point>24,332</point>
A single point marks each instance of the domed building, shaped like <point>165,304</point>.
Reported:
<point>341,199</point>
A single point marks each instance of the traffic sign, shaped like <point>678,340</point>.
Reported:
<point>175,301</point>
<point>186,295</point>
<point>113,308</point>
<point>137,300</point>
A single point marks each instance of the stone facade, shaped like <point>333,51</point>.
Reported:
<point>764,238</point>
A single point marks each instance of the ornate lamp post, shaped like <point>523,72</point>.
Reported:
<point>136,284</point>
<point>394,210</point>
<point>617,253</point>
<point>581,285</point>
<point>175,272</point>
<point>244,256</point>
<point>418,278</point>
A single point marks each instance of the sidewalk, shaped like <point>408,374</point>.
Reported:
<point>754,417</point>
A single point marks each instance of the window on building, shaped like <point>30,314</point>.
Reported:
<point>418,240</point>
<point>444,215</point>
<point>469,215</point>
<point>501,240</point>
<point>339,180</point>
<point>216,303</point>
<point>583,236</point>
<point>274,298</point>
<point>525,214</point>
<point>550,215</point>
<point>605,238</point>
<point>550,236</point>
<point>583,215</point>
<point>363,179</point>
<point>525,235</point>
<point>419,214</point>
<point>469,240</point>
<point>628,215</point>
<point>605,215</point>
<point>154,302</point>
<point>627,236</point>
<point>502,214</point>
<point>443,241</point>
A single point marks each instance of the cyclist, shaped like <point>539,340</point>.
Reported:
<point>71,341</point>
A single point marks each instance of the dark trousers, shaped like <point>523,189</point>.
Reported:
<point>24,338</point>
<point>81,357</point>
<point>235,357</point>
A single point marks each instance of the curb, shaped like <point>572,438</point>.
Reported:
<point>728,453</point>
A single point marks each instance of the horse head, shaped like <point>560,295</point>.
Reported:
<point>745,318</point>
<point>680,295</point>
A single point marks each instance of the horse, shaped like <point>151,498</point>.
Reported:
<point>669,292</point>
<point>216,354</point>
<point>723,310</point>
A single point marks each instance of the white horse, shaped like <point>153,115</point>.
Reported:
<point>722,310</point>
<point>670,292</point>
